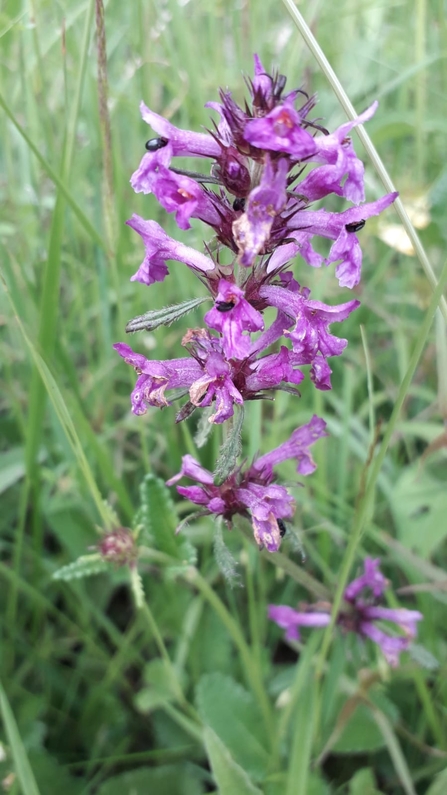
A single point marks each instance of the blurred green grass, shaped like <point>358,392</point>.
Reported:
<point>74,655</point>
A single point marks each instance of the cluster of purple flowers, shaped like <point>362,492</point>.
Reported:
<point>269,164</point>
<point>360,614</point>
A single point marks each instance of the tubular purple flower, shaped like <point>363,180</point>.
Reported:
<point>232,315</point>
<point>155,377</point>
<point>252,229</point>
<point>310,334</point>
<point>183,142</point>
<point>270,371</point>
<point>182,195</point>
<point>215,384</point>
<point>281,131</point>
<point>361,614</point>
<point>289,619</point>
<point>159,248</point>
<point>372,579</point>
<point>296,447</point>
<point>334,226</point>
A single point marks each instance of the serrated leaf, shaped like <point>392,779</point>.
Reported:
<point>225,560</point>
<point>229,776</point>
<point>227,708</point>
<point>204,427</point>
<point>136,584</point>
<point>230,450</point>
<point>158,515</point>
<point>85,566</point>
<point>163,317</point>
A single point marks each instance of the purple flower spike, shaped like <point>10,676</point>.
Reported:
<point>289,619</point>
<point>252,229</point>
<point>252,492</point>
<point>182,195</point>
<point>159,248</point>
<point>281,131</point>
<point>232,315</point>
<point>360,615</point>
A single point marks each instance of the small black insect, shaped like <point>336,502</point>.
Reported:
<point>156,143</point>
<point>282,527</point>
<point>239,204</point>
<point>225,306</point>
<point>355,227</point>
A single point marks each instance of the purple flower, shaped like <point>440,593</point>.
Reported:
<point>183,142</point>
<point>264,203</point>
<point>289,619</point>
<point>311,341</point>
<point>360,614</point>
<point>216,384</point>
<point>341,228</point>
<point>232,315</point>
<point>159,248</point>
<point>155,377</point>
<point>253,492</point>
<point>281,130</point>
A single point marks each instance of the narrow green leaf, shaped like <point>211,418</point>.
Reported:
<point>439,785</point>
<point>21,763</point>
<point>395,751</point>
<point>224,559</point>
<point>85,566</point>
<point>304,715</point>
<point>163,317</point>
<point>230,777</point>
<point>230,450</point>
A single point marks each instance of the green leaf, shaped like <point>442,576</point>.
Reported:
<point>230,450</point>
<point>158,515</point>
<point>419,505</point>
<point>234,715</point>
<point>163,317</point>
<point>439,785</point>
<point>361,734</point>
<point>165,780</point>
<point>363,783</point>
<point>84,566</point>
<point>230,777</point>
<point>159,688</point>
<point>22,766</point>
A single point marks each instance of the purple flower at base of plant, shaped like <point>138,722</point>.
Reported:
<point>232,315</point>
<point>252,492</point>
<point>360,614</point>
<point>159,248</point>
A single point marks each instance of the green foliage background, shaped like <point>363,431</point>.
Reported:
<point>196,691</point>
